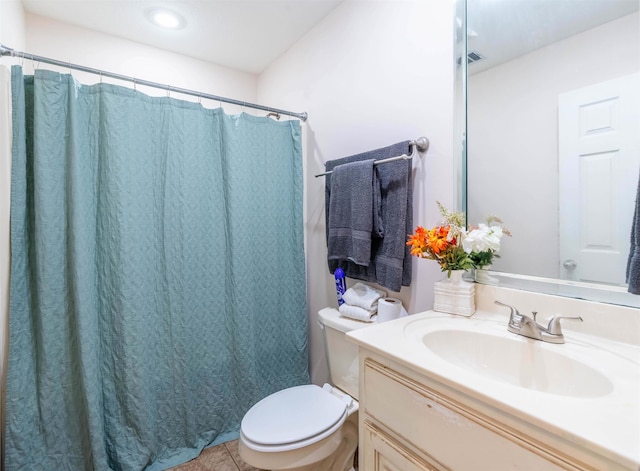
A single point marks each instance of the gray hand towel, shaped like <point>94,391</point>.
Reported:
<point>350,219</point>
<point>633,263</point>
<point>390,264</point>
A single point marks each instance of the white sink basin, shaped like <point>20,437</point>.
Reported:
<point>518,361</point>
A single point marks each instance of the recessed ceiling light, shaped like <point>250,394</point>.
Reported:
<point>166,18</point>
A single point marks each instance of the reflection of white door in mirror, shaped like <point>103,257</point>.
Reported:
<point>599,160</point>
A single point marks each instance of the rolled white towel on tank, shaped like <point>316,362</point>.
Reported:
<point>358,313</point>
<point>363,296</point>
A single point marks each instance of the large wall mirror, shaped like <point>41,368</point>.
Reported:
<point>553,139</point>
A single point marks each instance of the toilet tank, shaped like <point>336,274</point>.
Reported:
<point>342,355</point>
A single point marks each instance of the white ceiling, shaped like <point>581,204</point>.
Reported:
<point>242,34</point>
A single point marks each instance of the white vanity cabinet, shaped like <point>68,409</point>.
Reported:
<point>408,423</point>
<point>445,392</point>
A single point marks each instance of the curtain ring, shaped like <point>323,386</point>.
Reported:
<point>134,85</point>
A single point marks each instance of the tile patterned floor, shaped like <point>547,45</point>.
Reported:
<point>223,457</point>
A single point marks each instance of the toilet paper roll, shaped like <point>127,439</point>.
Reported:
<point>389,309</point>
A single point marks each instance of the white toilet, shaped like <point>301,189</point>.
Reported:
<point>309,427</point>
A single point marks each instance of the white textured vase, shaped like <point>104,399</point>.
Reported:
<point>454,295</point>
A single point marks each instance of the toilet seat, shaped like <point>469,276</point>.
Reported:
<point>293,418</point>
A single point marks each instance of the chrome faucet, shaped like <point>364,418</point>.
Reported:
<point>528,327</point>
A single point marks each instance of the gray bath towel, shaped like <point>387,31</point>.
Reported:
<point>390,264</point>
<point>633,263</point>
<point>350,219</point>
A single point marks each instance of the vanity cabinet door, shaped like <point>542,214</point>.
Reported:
<point>447,433</point>
<point>383,453</point>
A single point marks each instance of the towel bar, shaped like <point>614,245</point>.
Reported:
<point>421,144</point>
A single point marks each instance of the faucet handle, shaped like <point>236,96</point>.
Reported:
<point>554,327</point>
<point>514,311</point>
<point>515,318</point>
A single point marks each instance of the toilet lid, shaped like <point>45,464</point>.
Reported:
<point>292,415</point>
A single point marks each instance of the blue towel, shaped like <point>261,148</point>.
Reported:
<point>633,263</point>
<point>350,219</point>
<point>390,263</point>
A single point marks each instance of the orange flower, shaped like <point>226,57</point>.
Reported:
<point>429,243</point>
<point>418,242</point>
<point>437,239</point>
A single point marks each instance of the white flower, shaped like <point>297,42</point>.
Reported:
<point>482,239</point>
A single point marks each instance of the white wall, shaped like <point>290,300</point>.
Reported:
<point>370,75</point>
<point>513,136</point>
<point>12,32</point>
<point>67,42</point>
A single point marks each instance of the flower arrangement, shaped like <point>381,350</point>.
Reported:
<point>456,248</point>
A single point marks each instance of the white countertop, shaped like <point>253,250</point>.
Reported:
<point>607,425</point>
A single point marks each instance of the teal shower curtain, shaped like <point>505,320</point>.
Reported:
<point>157,275</point>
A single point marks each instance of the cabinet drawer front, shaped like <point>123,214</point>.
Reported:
<point>383,453</point>
<point>447,431</point>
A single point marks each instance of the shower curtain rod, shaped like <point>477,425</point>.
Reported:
<point>422,144</point>
<point>7,51</point>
